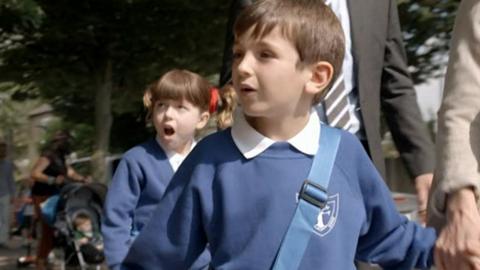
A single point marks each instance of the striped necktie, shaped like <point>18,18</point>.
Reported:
<point>336,102</point>
<point>336,106</point>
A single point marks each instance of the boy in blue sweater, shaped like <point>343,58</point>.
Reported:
<point>179,104</point>
<point>237,191</point>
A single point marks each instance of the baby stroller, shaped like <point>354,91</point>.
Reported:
<point>80,201</point>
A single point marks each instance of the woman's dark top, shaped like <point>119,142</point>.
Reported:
<point>56,167</point>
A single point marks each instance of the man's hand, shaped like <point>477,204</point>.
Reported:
<point>423,183</point>
<point>458,246</point>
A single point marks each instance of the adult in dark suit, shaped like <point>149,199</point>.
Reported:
<point>380,82</point>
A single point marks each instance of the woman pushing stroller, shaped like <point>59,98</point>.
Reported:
<point>49,173</point>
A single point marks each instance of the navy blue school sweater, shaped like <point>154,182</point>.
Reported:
<point>136,188</point>
<point>242,208</point>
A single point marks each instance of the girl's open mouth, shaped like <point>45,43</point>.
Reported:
<point>169,131</point>
<point>247,89</point>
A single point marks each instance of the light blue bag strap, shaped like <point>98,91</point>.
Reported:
<point>312,197</point>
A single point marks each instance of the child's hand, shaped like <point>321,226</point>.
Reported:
<point>83,240</point>
<point>423,183</point>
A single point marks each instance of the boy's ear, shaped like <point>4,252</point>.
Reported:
<point>321,75</point>
<point>203,120</point>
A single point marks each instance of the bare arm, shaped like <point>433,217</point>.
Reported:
<point>74,175</point>
<point>38,174</point>
<point>37,171</point>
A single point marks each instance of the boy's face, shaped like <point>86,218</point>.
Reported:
<point>266,77</point>
<point>176,122</point>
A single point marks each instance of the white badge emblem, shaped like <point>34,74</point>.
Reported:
<point>328,216</point>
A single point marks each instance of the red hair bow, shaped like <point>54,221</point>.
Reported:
<point>214,96</point>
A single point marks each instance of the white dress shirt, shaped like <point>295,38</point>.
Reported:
<point>174,158</point>
<point>340,8</point>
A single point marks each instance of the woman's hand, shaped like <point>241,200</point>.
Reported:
<point>59,180</point>
<point>458,245</point>
<point>72,174</point>
<point>87,179</point>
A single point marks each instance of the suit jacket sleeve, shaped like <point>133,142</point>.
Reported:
<point>235,8</point>
<point>458,140</point>
<point>399,104</point>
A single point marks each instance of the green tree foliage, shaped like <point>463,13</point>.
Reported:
<point>17,16</point>
<point>14,119</point>
<point>61,51</point>
<point>427,26</point>
<point>64,49</point>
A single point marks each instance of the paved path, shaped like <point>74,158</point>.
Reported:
<point>11,252</point>
<point>14,250</point>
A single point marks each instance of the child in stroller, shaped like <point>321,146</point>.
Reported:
<point>77,224</point>
<point>84,233</point>
<point>87,238</point>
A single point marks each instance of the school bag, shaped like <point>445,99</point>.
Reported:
<point>311,199</point>
<point>49,209</point>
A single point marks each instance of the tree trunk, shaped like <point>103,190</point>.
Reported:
<point>103,123</point>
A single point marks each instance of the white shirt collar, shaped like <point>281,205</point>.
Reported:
<point>251,143</point>
<point>175,159</point>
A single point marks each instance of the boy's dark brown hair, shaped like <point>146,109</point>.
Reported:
<point>310,25</point>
